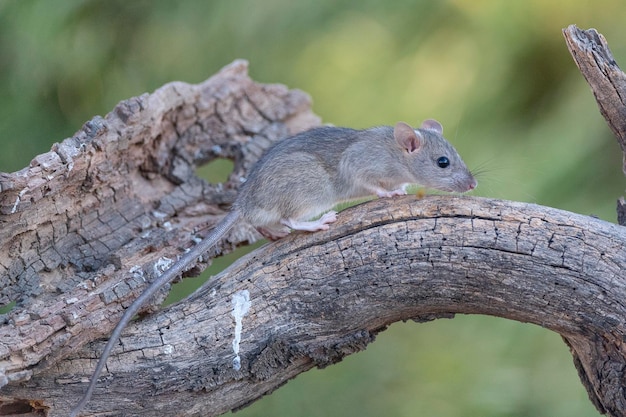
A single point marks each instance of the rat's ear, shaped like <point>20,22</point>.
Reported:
<point>431,124</point>
<point>409,139</point>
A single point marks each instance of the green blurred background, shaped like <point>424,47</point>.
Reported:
<point>497,74</point>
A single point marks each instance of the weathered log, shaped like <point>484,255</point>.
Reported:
<point>595,61</point>
<point>316,298</point>
<point>593,57</point>
<point>86,225</point>
<point>83,227</point>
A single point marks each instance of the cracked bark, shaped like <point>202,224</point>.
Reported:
<point>84,226</point>
<point>595,61</point>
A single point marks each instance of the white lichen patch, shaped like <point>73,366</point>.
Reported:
<point>162,264</point>
<point>241,305</point>
<point>137,272</point>
<point>3,378</point>
<point>159,214</point>
<point>18,199</point>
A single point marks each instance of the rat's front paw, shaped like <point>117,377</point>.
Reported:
<point>392,193</point>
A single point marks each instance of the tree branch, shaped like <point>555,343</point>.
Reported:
<point>317,298</point>
<point>608,83</point>
<point>83,227</point>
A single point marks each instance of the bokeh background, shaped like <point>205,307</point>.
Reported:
<point>497,74</point>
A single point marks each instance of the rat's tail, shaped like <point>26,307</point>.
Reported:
<point>216,234</point>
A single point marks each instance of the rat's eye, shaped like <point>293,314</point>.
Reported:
<point>443,162</point>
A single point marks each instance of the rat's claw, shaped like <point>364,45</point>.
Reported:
<point>329,217</point>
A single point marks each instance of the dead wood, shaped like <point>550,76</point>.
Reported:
<point>86,225</point>
<point>607,81</point>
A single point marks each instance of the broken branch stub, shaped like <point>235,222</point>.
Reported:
<point>595,61</point>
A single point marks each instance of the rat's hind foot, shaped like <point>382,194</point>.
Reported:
<point>312,226</point>
<point>273,234</point>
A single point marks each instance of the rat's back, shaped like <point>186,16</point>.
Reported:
<point>295,178</point>
<point>327,143</point>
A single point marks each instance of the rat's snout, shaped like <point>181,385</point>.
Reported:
<point>468,185</point>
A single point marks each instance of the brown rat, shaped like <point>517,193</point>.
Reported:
<point>308,174</point>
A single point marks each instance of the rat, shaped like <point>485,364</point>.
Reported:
<point>306,175</point>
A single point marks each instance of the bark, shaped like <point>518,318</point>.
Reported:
<point>86,225</point>
<point>607,81</point>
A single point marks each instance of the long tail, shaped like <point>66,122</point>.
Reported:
<point>216,234</point>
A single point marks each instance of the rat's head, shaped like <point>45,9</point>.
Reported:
<point>432,159</point>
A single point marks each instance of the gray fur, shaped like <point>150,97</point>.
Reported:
<point>307,174</point>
